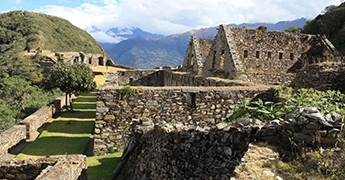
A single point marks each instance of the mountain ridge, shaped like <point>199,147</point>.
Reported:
<point>146,52</point>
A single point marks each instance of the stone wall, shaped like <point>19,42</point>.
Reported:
<point>172,78</point>
<point>322,76</point>
<point>189,106</point>
<point>11,137</point>
<point>269,51</point>
<point>71,167</point>
<point>196,54</point>
<point>136,78</point>
<point>177,151</point>
<point>282,79</point>
<point>37,119</point>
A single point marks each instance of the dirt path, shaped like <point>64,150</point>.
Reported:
<point>257,164</point>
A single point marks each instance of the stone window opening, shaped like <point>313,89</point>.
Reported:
<point>257,54</point>
<point>90,61</point>
<point>214,59</point>
<point>131,81</point>
<point>101,61</point>
<point>292,56</point>
<point>280,55</point>
<point>245,54</point>
<point>191,99</point>
<point>122,73</point>
<point>269,55</point>
<point>223,52</point>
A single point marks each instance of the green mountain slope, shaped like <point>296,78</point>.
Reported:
<point>32,30</point>
<point>330,23</point>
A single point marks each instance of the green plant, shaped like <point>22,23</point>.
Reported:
<point>127,91</point>
<point>290,102</point>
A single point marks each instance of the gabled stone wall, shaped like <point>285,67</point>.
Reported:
<point>196,54</point>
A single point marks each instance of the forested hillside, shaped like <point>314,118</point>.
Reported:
<point>330,23</point>
<point>20,75</point>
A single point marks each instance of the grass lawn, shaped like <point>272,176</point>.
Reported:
<point>68,134</point>
<point>100,79</point>
<point>102,167</point>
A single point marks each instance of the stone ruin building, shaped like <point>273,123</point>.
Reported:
<point>175,129</point>
<point>238,51</point>
<point>89,59</point>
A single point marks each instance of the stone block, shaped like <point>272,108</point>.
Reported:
<point>300,137</point>
<point>102,109</point>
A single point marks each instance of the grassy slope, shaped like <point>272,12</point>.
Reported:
<point>58,34</point>
<point>29,30</point>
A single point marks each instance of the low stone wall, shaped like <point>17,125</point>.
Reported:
<point>37,119</point>
<point>189,106</point>
<point>60,102</point>
<point>135,78</point>
<point>172,78</point>
<point>269,78</point>
<point>176,151</point>
<point>71,167</point>
<point>11,137</point>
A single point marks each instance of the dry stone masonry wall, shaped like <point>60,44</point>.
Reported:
<point>202,107</point>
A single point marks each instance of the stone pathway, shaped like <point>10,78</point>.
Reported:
<point>257,164</point>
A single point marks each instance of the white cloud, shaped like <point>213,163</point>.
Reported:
<point>168,17</point>
<point>18,1</point>
<point>104,38</point>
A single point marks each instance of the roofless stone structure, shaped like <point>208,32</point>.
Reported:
<point>237,51</point>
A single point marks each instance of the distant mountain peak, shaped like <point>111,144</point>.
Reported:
<point>139,50</point>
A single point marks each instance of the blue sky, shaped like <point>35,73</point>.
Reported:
<point>170,16</point>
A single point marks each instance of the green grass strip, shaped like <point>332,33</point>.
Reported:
<point>68,134</point>
<point>102,167</point>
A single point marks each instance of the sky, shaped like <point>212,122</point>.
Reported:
<point>170,16</point>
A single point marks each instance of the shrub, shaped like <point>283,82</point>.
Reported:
<point>127,91</point>
<point>290,102</point>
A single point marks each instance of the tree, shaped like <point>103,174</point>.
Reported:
<point>70,78</point>
<point>292,29</point>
